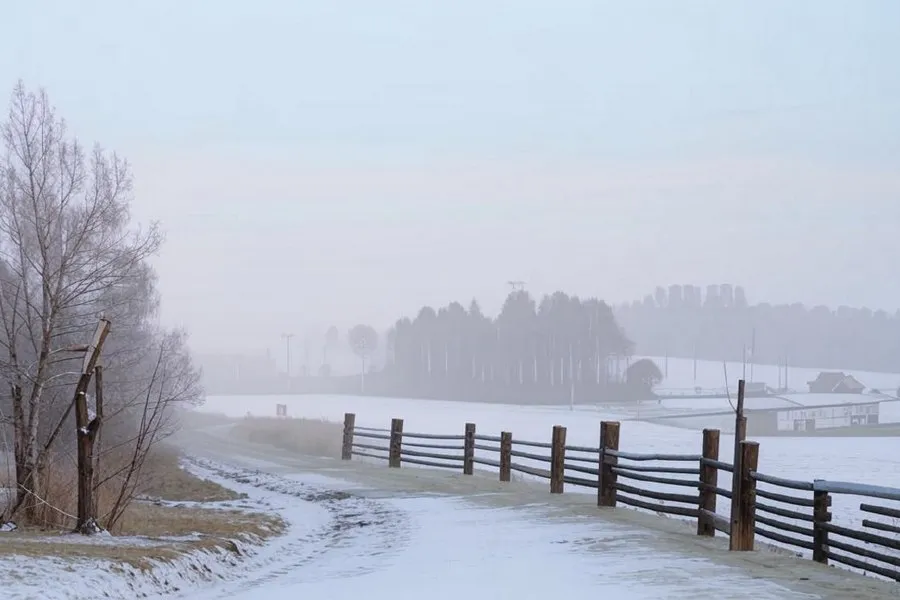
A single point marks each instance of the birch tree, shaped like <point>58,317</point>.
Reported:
<point>68,251</point>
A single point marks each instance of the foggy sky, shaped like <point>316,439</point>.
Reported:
<point>340,162</point>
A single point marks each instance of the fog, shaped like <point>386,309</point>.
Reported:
<point>323,163</point>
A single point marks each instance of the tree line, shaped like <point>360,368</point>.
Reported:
<point>71,256</point>
<point>560,349</point>
<point>720,324</point>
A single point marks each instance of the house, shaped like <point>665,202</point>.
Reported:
<point>835,382</point>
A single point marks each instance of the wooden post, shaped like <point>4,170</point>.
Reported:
<point>743,531</point>
<point>505,455</point>
<point>469,450</point>
<point>558,460</point>
<point>821,515</point>
<point>87,428</point>
<point>396,443</point>
<point>709,480</point>
<point>347,443</point>
<point>740,434</point>
<point>609,440</point>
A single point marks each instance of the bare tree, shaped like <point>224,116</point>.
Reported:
<point>67,252</point>
<point>171,383</point>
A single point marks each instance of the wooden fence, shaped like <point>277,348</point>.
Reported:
<point>795,514</point>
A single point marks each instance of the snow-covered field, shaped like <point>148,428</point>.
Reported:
<point>711,375</point>
<point>866,460</point>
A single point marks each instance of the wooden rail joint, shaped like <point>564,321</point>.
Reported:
<point>606,486</point>
<point>743,524</point>
<point>557,460</point>
<point>821,516</point>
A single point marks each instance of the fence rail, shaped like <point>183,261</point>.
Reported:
<point>793,513</point>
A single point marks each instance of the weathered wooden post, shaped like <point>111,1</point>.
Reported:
<point>396,443</point>
<point>558,460</point>
<point>469,450</point>
<point>609,444</point>
<point>740,434</point>
<point>709,480</point>
<point>347,443</point>
<point>743,531</point>
<point>505,455</point>
<point>821,515</point>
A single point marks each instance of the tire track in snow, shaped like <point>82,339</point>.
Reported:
<point>361,535</point>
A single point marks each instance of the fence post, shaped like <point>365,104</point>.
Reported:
<point>347,443</point>
<point>469,450</point>
<point>609,440</point>
<point>709,480</point>
<point>821,515</point>
<point>505,455</point>
<point>396,443</point>
<point>558,460</point>
<point>743,530</point>
<point>740,434</point>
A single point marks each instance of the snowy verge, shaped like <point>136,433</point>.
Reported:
<point>76,578</point>
<point>320,516</point>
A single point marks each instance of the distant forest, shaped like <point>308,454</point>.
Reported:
<point>720,324</point>
<point>554,351</point>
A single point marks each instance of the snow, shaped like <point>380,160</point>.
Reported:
<point>356,531</point>
<point>413,532</point>
<point>451,549</point>
<point>710,375</point>
<point>870,460</point>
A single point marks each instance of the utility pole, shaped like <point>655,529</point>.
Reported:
<point>516,286</point>
<point>287,350</point>
<point>752,352</point>
<point>306,356</point>
<point>744,361</point>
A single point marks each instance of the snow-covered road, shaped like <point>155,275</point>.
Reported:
<point>412,533</point>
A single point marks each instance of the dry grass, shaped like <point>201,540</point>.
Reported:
<point>304,436</point>
<point>166,530</point>
<point>194,419</point>
<point>159,528</point>
<point>163,478</point>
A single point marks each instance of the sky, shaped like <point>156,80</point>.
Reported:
<point>322,162</point>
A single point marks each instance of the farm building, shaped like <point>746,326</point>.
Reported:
<point>835,382</point>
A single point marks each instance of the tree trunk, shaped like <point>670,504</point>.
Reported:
<point>87,431</point>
